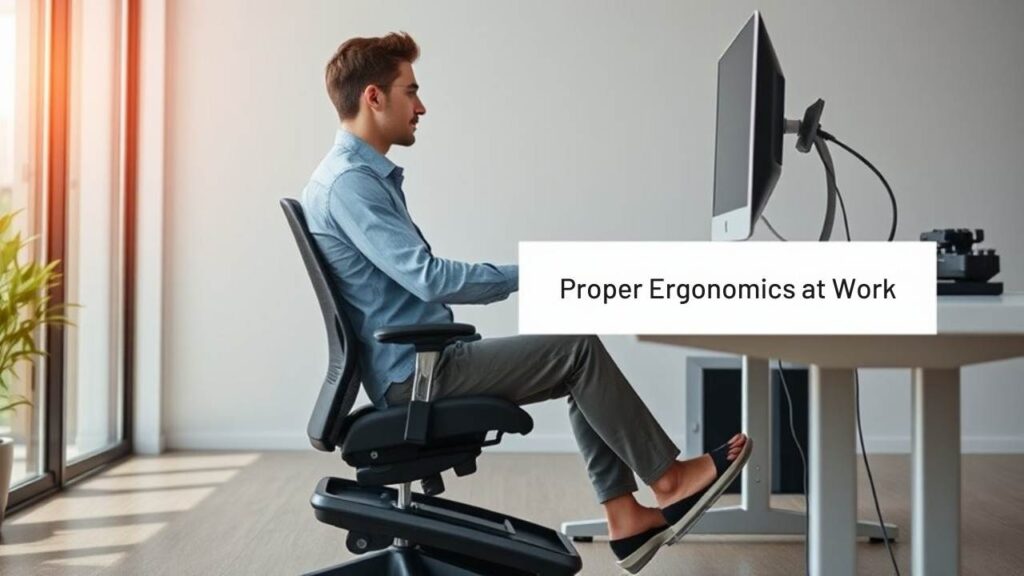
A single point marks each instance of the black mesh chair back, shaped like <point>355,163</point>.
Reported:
<point>341,384</point>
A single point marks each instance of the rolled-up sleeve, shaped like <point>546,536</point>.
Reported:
<point>365,211</point>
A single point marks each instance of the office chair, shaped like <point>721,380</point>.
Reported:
<point>398,532</point>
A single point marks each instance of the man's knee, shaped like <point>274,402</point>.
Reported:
<point>586,345</point>
<point>577,350</point>
<point>578,341</point>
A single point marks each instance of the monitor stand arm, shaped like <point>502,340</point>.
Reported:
<point>807,136</point>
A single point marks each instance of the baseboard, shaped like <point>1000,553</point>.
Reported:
<point>992,445</point>
<point>149,446</point>
<point>886,444</point>
<point>968,444</point>
<point>549,443</point>
<point>236,441</point>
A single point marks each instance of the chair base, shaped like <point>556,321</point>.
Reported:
<point>413,562</point>
<point>464,536</point>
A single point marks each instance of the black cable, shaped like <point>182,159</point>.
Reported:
<point>839,196</point>
<point>864,453</point>
<point>772,228</point>
<point>830,184</point>
<point>830,170</point>
<point>888,189</point>
<point>842,205</point>
<point>785,387</point>
<point>871,479</point>
<point>842,208</point>
<point>860,429</point>
<point>803,461</point>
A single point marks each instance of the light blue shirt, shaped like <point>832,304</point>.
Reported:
<point>384,267</point>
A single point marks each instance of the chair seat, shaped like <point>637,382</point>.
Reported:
<point>374,439</point>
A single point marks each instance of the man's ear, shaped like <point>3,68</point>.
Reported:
<point>374,97</point>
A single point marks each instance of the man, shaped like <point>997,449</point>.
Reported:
<point>388,275</point>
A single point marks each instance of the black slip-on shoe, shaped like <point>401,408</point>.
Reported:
<point>682,515</point>
<point>636,551</point>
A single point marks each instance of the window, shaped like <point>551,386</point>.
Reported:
<point>67,97</point>
<point>21,171</point>
<point>93,269</point>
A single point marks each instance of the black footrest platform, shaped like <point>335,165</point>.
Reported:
<point>446,527</point>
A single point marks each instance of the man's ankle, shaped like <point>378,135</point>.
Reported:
<point>668,482</point>
<point>623,523</point>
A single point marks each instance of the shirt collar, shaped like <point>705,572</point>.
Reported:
<point>375,160</point>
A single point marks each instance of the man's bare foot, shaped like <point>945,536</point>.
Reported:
<point>687,477</point>
<point>626,517</point>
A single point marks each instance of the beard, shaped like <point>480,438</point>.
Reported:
<point>407,139</point>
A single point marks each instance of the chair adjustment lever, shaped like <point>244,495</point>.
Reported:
<point>417,422</point>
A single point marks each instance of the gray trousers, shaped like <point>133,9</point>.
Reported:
<point>614,429</point>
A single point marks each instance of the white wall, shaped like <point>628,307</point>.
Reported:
<point>563,121</point>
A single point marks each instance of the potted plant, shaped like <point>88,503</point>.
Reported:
<point>24,307</point>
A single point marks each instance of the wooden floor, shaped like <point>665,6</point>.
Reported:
<point>249,513</point>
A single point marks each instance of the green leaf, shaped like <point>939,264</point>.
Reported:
<point>25,306</point>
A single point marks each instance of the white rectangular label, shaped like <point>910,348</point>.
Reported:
<point>727,288</point>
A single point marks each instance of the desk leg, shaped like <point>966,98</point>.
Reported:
<point>757,425</point>
<point>833,474</point>
<point>935,472</point>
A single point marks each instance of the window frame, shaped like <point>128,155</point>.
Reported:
<point>57,473</point>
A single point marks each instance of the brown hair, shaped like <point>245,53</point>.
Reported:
<point>360,62</point>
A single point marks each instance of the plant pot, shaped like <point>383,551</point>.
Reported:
<point>6,466</point>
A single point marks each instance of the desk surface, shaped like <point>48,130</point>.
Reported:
<point>981,314</point>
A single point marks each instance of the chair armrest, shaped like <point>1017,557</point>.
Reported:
<point>426,337</point>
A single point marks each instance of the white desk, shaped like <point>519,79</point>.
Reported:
<point>971,330</point>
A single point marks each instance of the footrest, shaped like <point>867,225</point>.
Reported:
<point>452,527</point>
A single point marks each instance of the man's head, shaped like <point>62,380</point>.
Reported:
<point>372,85</point>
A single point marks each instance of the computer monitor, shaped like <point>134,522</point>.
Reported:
<point>749,131</point>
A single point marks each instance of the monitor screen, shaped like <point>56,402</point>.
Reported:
<point>748,132</point>
<point>734,127</point>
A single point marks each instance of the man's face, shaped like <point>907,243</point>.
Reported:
<point>402,108</point>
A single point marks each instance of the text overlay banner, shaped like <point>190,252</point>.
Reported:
<point>727,288</point>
